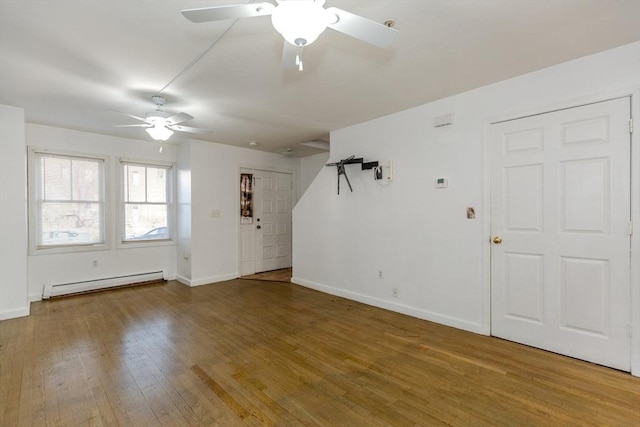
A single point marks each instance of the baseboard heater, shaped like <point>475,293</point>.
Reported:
<point>56,290</point>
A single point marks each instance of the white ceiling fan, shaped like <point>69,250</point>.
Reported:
<point>300,22</point>
<point>161,125</point>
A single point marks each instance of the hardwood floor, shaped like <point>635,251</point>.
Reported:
<point>248,352</point>
<point>282,275</point>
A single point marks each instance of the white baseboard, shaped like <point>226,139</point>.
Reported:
<point>183,280</point>
<point>12,314</point>
<point>393,306</point>
<point>206,280</point>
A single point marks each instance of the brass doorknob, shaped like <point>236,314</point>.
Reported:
<point>497,240</point>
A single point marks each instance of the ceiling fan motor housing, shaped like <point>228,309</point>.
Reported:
<point>156,116</point>
<point>158,100</point>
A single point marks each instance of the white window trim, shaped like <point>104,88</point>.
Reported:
<point>121,243</point>
<point>34,229</point>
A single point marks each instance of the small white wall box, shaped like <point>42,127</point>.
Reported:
<point>442,182</point>
<point>443,120</point>
<point>389,176</point>
<point>383,172</point>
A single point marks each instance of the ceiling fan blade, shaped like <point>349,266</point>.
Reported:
<point>362,28</point>
<point>221,13</point>
<point>189,129</point>
<point>291,55</point>
<point>178,118</point>
<point>131,115</point>
<point>139,125</point>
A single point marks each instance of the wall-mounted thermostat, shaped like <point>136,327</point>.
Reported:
<point>442,182</point>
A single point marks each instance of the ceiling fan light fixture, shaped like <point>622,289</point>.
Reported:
<point>159,132</point>
<point>300,22</point>
<point>157,115</point>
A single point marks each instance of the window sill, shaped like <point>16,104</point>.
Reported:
<point>130,244</point>
<point>65,249</point>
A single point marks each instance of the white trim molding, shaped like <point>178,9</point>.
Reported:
<point>206,280</point>
<point>395,307</point>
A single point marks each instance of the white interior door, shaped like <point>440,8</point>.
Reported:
<point>560,215</point>
<point>272,225</point>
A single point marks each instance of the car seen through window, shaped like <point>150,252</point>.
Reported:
<point>156,233</point>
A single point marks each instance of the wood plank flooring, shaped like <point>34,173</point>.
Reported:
<point>282,275</point>
<point>254,353</point>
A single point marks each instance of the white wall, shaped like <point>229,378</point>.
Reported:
<point>212,243</point>
<point>419,236</point>
<point>309,168</point>
<point>14,301</point>
<point>184,213</point>
<point>113,261</point>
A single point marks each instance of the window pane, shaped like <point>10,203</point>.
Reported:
<point>70,223</point>
<point>135,182</point>
<point>56,178</point>
<point>144,222</point>
<point>86,180</point>
<point>156,185</point>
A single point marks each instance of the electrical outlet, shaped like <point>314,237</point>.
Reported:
<point>394,292</point>
<point>379,274</point>
<point>95,263</point>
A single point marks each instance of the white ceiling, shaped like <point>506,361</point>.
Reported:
<point>72,63</point>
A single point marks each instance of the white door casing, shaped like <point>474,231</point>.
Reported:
<point>560,202</point>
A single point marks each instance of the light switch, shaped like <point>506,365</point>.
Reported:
<point>216,213</point>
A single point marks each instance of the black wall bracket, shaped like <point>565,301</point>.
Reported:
<point>349,161</point>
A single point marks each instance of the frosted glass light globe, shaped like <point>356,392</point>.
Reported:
<point>300,21</point>
<point>159,132</point>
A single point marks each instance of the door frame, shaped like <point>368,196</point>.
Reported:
<point>634,300</point>
<point>294,200</point>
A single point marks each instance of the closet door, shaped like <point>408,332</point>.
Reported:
<point>560,219</point>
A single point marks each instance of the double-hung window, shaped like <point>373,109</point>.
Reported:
<point>147,208</point>
<point>68,198</point>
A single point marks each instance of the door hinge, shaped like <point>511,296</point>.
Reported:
<point>630,329</point>
<point>630,228</point>
<point>630,125</point>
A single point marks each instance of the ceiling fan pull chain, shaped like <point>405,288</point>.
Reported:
<point>299,61</point>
